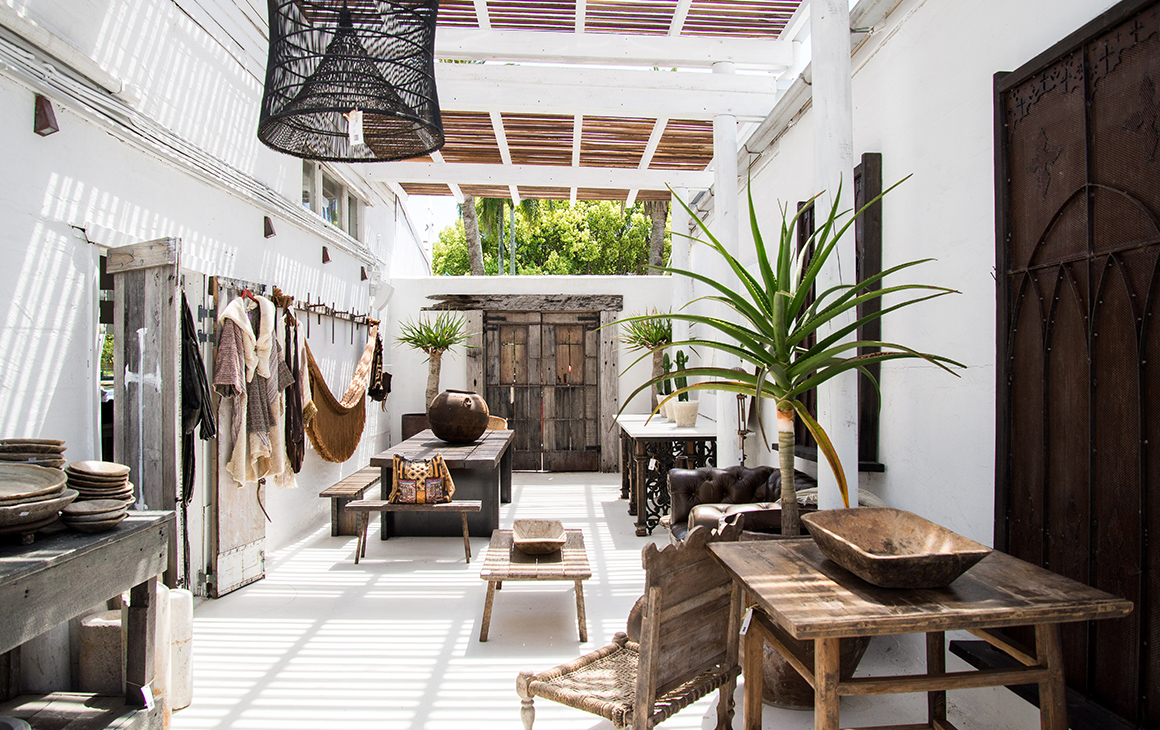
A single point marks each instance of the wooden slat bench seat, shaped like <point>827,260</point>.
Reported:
<point>364,507</point>
<point>345,491</point>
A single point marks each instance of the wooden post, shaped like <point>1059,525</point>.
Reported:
<point>609,394</point>
<point>826,678</point>
<point>833,124</point>
<point>475,352</point>
<point>140,642</point>
<point>936,665</point>
<point>147,373</point>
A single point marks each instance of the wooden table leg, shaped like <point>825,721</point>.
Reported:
<point>361,520</point>
<point>487,610</point>
<point>1052,691</point>
<point>466,540</point>
<point>754,671</point>
<point>936,664</point>
<point>581,618</point>
<point>826,676</point>
<point>140,642</point>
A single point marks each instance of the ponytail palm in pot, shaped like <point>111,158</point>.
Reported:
<point>778,331</point>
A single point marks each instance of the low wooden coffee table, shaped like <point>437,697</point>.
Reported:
<point>505,562</point>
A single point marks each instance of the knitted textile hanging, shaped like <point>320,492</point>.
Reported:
<point>337,427</point>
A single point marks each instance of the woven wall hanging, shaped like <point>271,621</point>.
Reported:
<point>331,60</point>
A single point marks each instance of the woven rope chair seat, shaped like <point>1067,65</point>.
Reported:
<point>603,682</point>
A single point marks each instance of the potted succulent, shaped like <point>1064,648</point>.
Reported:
<point>651,333</point>
<point>775,322</point>
<point>434,337</point>
<point>684,410</point>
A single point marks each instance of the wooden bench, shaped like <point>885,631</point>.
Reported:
<point>363,508</point>
<point>343,493</point>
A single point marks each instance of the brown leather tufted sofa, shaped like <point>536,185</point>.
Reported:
<point>704,496</point>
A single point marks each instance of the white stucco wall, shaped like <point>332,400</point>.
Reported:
<point>409,367</point>
<point>207,90</point>
<point>923,98</point>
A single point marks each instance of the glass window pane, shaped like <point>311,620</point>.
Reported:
<point>307,184</point>
<point>352,216</point>
<point>331,195</point>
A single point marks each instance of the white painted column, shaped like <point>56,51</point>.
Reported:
<point>725,227</point>
<point>680,258</point>
<point>833,123</point>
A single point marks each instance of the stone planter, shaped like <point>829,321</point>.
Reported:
<point>685,413</point>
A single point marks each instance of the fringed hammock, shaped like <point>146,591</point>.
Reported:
<point>337,427</point>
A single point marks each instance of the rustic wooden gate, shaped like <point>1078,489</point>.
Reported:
<point>1078,402</point>
<point>542,375</point>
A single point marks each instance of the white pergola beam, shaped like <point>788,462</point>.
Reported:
<point>581,15</point>
<point>603,92</point>
<point>455,191</point>
<point>481,15</point>
<point>552,176</point>
<point>609,49</point>
<point>505,152</point>
<point>680,14</point>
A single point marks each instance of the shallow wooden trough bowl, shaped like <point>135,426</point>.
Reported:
<point>538,537</point>
<point>893,548</point>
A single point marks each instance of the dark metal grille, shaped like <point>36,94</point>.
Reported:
<point>329,58</point>
<point>1078,218</point>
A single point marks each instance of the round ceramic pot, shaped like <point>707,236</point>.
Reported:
<point>458,416</point>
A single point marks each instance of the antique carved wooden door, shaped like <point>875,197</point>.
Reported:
<point>1078,405</point>
<point>542,376</point>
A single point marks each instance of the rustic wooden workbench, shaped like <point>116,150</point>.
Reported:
<point>800,593</point>
<point>481,470</point>
<point>62,576</point>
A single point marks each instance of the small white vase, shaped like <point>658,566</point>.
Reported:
<point>685,413</point>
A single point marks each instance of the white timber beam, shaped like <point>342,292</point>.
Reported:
<point>456,192</point>
<point>482,16</point>
<point>554,176</point>
<point>680,14</point>
<point>505,152</point>
<point>650,149</point>
<point>581,15</point>
<point>635,93</point>
<point>609,49</point>
<point>833,127</point>
<point>577,139</point>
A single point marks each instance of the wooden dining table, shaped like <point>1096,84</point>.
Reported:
<point>796,592</point>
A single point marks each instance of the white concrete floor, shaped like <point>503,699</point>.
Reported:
<point>392,643</point>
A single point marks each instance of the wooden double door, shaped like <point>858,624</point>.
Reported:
<point>541,374</point>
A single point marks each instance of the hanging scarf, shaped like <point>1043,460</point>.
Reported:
<point>295,429</point>
<point>337,426</point>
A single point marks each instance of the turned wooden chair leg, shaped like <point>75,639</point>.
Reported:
<point>725,705</point>
<point>527,711</point>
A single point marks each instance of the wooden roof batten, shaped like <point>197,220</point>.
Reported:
<point>593,99</point>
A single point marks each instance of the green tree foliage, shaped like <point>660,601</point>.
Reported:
<point>553,237</point>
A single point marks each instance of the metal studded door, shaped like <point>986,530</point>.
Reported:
<point>541,375</point>
<point>1078,405</point>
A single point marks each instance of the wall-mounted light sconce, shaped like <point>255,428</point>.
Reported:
<point>44,122</point>
<point>325,255</point>
<point>362,273</point>
<point>268,227</point>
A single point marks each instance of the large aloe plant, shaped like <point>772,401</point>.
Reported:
<point>775,320</point>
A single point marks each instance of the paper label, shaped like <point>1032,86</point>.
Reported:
<point>745,621</point>
<point>354,127</point>
<point>147,695</point>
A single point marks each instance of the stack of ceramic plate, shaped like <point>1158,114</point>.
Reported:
<point>39,452</point>
<point>100,480</point>
<point>95,515</point>
<point>31,497</point>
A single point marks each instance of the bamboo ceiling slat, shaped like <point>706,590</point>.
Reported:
<point>745,18</point>
<point>539,139</point>
<point>642,17</point>
<point>469,138</point>
<point>426,189</point>
<point>458,13</point>
<point>685,145</point>
<point>544,15</point>
<point>614,141</point>
<point>486,191</point>
<point>601,194</point>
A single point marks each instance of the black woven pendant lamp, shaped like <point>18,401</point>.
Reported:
<point>328,60</point>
